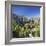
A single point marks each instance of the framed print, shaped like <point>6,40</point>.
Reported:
<point>25,22</point>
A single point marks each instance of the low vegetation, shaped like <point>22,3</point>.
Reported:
<point>27,28</point>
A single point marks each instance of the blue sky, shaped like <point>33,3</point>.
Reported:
<point>26,10</point>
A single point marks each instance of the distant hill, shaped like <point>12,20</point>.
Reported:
<point>22,19</point>
<point>19,19</point>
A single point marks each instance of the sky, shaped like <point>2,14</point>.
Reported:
<point>26,10</point>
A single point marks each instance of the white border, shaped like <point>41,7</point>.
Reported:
<point>36,38</point>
